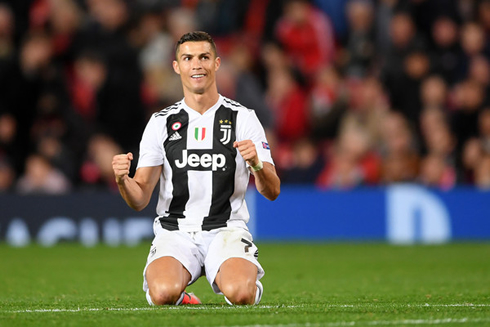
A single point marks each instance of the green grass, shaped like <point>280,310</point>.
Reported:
<point>305,285</point>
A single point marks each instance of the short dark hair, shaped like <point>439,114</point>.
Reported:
<point>196,36</point>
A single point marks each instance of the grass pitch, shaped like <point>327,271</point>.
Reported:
<point>306,285</point>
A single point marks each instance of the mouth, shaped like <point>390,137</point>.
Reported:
<point>198,76</point>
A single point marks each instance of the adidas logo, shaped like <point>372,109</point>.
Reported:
<point>175,136</point>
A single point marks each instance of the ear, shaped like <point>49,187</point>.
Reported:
<point>175,65</point>
<point>217,63</point>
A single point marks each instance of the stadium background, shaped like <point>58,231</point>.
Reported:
<point>377,113</point>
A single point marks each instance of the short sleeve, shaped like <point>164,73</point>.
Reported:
<point>252,130</point>
<point>151,145</point>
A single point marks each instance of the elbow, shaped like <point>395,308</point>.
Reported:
<point>138,208</point>
<point>274,193</point>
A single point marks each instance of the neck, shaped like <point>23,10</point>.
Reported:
<point>201,102</point>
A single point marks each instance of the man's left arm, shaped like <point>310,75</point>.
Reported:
<point>266,179</point>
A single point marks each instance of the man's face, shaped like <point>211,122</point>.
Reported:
<point>196,63</point>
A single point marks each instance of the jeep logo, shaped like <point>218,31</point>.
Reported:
<point>205,160</point>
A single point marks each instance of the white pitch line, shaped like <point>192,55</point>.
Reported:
<point>377,323</point>
<point>183,307</point>
<point>227,307</point>
<point>408,305</point>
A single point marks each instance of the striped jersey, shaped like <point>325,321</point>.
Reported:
<point>204,178</point>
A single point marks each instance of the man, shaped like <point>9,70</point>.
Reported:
<point>202,150</point>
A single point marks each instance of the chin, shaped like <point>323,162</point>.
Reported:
<point>199,91</point>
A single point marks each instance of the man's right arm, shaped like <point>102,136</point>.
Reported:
<point>135,191</point>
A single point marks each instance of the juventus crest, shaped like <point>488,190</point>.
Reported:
<point>225,128</point>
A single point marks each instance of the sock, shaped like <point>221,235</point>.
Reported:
<point>148,298</point>
<point>181,298</point>
<point>259,292</point>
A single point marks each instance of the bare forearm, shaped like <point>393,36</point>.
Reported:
<point>133,193</point>
<point>267,182</point>
<point>266,179</point>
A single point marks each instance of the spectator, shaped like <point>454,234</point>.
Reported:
<point>484,128</point>
<point>7,56</point>
<point>328,103</point>
<point>335,10</point>
<point>473,43</point>
<point>384,12</point>
<point>96,171</point>
<point>441,141</point>
<point>221,18</point>
<point>120,109</point>
<point>307,36</point>
<point>369,102</point>
<point>7,176</point>
<point>468,99</point>
<point>65,22</point>
<point>445,48</point>
<point>305,165</point>
<point>484,15</point>
<point>432,118</point>
<point>9,148</point>
<point>289,104</point>
<point>242,85</point>
<point>154,56</point>
<point>103,102</point>
<point>471,157</point>
<point>479,71</point>
<point>405,92</point>
<point>434,105</point>
<point>403,39</point>
<point>482,173</point>
<point>35,75</point>
<point>41,177</point>
<point>435,172</point>
<point>398,149</point>
<point>90,74</point>
<point>72,69</point>
<point>61,157</point>
<point>352,161</point>
<point>157,33</point>
<point>360,43</point>
<point>433,93</point>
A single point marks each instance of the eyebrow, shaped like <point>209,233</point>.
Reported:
<point>191,55</point>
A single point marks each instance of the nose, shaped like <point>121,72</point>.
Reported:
<point>196,63</point>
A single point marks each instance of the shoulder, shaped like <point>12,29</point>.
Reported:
<point>164,113</point>
<point>243,112</point>
<point>234,105</point>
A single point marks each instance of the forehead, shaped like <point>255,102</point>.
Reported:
<point>194,48</point>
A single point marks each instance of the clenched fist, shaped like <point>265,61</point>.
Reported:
<point>121,164</point>
<point>248,151</point>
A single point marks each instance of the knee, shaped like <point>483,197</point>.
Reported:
<point>162,294</point>
<point>240,293</point>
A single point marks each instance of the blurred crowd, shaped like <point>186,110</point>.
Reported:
<point>351,92</point>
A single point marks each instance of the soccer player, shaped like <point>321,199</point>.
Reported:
<point>202,149</point>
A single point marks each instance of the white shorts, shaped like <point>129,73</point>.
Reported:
<point>203,253</point>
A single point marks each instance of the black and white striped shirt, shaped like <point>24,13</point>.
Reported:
<point>204,178</point>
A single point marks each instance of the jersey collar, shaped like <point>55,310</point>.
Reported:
<point>208,112</point>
